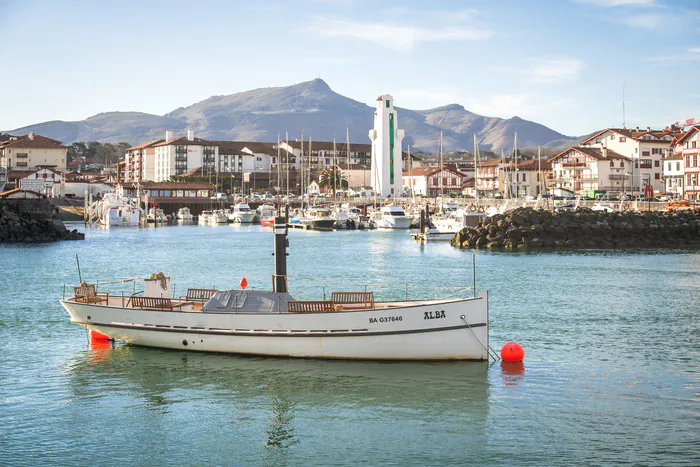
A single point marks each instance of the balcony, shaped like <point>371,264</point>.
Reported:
<point>180,159</point>
<point>573,164</point>
<point>180,150</point>
<point>618,176</point>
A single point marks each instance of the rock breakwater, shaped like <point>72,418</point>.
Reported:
<point>527,228</point>
<point>32,221</point>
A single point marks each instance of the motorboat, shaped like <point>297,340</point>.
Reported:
<point>318,219</point>
<point>184,214</point>
<point>116,211</point>
<point>204,217</point>
<point>346,325</point>
<point>242,214</point>
<point>391,217</point>
<point>156,215</point>
<point>265,215</point>
<point>218,216</point>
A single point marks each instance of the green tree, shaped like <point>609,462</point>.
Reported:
<point>333,179</point>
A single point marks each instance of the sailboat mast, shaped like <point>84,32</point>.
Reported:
<point>440,166</point>
<point>539,169</point>
<point>334,168</point>
<point>309,168</point>
<point>476,179</point>
<point>347,159</point>
<point>286,134</point>
<point>300,179</point>
<point>517,180</point>
<point>410,175</point>
<point>279,164</point>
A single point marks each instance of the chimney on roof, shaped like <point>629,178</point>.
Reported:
<point>168,136</point>
<point>648,128</point>
<point>31,135</point>
<point>637,128</point>
<point>190,135</point>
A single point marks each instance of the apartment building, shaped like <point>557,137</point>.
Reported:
<point>177,156</point>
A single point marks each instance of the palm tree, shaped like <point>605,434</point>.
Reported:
<point>333,178</point>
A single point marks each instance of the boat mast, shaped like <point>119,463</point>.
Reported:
<point>410,176</point>
<point>309,168</point>
<point>539,169</point>
<point>506,180</point>
<point>517,180</point>
<point>279,164</point>
<point>335,169</point>
<point>476,157</point>
<point>286,134</point>
<point>440,167</point>
<point>300,180</point>
<point>347,158</point>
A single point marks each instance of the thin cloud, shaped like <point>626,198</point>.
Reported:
<point>644,21</point>
<point>692,55</point>
<point>615,3</point>
<point>393,36</point>
<point>548,70</point>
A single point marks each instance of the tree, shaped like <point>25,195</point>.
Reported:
<point>329,176</point>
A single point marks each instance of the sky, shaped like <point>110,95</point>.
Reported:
<point>562,63</point>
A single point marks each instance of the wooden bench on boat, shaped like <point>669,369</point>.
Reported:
<point>200,295</point>
<point>353,300</point>
<point>310,306</point>
<point>157,303</point>
<point>88,294</point>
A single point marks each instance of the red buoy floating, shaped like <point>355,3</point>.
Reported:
<point>512,352</point>
<point>98,336</point>
<point>244,283</point>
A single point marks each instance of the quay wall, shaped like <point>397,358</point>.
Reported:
<point>527,228</point>
<point>32,221</point>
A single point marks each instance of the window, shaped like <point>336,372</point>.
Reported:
<point>657,176</point>
<point>656,163</point>
<point>622,164</point>
<point>612,163</point>
<point>678,166</point>
<point>612,137</point>
<point>623,139</point>
<point>388,104</point>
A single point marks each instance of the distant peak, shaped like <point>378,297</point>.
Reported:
<point>316,84</point>
<point>449,108</point>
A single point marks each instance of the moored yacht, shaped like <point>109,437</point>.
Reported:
<point>204,217</point>
<point>116,211</point>
<point>184,214</point>
<point>218,216</point>
<point>392,217</point>
<point>318,219</point>
<point>156,215</point>
<point>242,214</point>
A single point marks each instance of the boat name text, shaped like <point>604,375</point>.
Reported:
<point>434,314</point>
<point>385,319</point>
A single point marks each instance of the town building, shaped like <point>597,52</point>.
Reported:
<point>320,154</point>
<point>433,181</point>
<point>180,155</point>
<point>592,168</point>
<point>44,180</point>
<point>674,175</point>
<point>489,178</point>
<point>140,162</point>
<point>245,156</point>
<point>386,138</point>
<point>527,178</point>
<point>647,148</point>
<point>29,152</point>
<point>687,147</point>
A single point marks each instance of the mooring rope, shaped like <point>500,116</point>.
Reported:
<point>488,349</point>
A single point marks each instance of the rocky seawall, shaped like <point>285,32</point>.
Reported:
<point>527,228</point>
<point>32,221</point>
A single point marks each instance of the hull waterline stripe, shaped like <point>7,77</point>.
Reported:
<point>285,334</point>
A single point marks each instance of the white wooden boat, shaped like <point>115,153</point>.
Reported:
<point>204,217</point>
<point>351,325</point>
<point>218,216</point>
<point>116,211</point>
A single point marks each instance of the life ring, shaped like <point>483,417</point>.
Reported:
<point>472,208</point>
<point>481,209</point>
<point>616,206</point>
<point>626,206</point>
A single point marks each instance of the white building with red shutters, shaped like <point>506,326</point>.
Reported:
<point>44,180</point>
<point>432,181</point>
<point>647,148</point>
<point>687,146</point>
<point>585,168</point>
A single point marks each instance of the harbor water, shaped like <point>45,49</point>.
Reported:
<point>611,371</point>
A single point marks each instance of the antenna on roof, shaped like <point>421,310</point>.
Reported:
<point>623,106</point>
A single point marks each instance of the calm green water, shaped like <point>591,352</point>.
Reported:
<point>612,343</point>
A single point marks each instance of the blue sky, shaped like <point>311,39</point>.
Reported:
<point>562,63</point>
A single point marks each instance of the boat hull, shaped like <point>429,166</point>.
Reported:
<point>426,330</point>
<point>394,222</point>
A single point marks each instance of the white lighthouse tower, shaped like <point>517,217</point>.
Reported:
<point>386,149</point>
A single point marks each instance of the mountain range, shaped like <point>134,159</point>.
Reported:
<point>312,107</point>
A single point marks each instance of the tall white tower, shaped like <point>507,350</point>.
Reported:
<point>386,149</point>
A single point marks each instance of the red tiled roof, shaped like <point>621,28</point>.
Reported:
<point>634,134</point>
<point>146,145</point>
<point>687,134</point>
<point>183,141</point>
<point>595,153</point>
<point>37,142</point>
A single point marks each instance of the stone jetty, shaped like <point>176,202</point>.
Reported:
<point>527,228</point>
<point>32,221</point>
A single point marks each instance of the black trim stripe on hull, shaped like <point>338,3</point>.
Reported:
<point>283,334</point>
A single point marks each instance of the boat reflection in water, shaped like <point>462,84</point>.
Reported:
<point>276,402</point>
